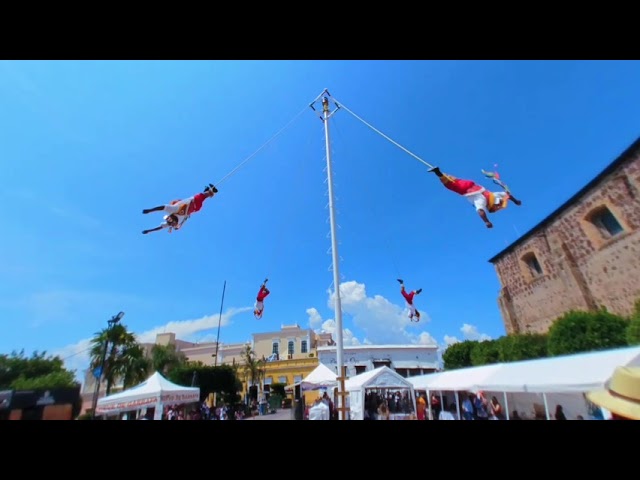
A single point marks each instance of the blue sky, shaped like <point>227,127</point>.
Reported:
<point>85,146</point>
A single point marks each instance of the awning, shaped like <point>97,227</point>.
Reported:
<point>414,364</point>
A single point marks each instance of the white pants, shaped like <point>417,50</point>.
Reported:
<point>180,208</point>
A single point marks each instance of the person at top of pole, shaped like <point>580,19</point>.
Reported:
<point>179,210</point>
<point>484,200</point>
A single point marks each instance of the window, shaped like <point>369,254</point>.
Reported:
<point>303,346</point>
<point>290,347</point>
<point>282,379</point>
<point>274,348</point>
<point>360,369</point>
<point>297,378</point>
<point>532,262</point>
<point>606,222</point>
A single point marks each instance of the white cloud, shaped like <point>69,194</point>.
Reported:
<point>469,332</point>
<point>314,317</point>
<point>185,329</point>
<point>382,321</point>
<point>76,356</point>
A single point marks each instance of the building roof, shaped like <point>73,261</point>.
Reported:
<point>630,152</point>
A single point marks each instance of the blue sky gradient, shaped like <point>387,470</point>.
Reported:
<point>86,145</point>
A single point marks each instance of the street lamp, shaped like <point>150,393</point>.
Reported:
<point>111,322</point>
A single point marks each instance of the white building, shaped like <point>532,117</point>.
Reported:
<point>407,360</point>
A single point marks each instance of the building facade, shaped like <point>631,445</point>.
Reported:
<point>407,360</point>
<point>583,256</point>
<point>290,354</point>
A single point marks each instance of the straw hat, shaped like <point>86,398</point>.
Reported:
<point>622,393</point>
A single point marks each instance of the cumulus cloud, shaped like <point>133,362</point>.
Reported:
<point>76,355</point>
<point>382,321</point>
<point>469,332</point>
<point>315,319</point>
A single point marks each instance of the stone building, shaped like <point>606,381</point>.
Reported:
<point>585,255</point>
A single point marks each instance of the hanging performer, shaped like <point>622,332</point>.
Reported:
<point>484,200</point>
<point>262,294</point>
<point>413,312</point>
<point>178,211</point>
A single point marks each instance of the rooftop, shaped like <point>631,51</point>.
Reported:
<point>630,152</point>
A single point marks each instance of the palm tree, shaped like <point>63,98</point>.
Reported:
<point>252,367</point>
<point>135,366</point>
<point>120,344</point>
<point>165,358</point>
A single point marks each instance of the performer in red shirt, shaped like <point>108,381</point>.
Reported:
<point>178,211</point>
<point>413,312</point>
<point>262,294</point>
<point>484,200</point>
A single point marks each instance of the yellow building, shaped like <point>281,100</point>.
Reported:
<point>290,354</point>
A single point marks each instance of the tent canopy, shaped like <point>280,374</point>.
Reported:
<point>457,380</point>
<point>321,377</point>
<point>423,382</point>
<point>155,390</point>
<point>382,377</point>
<point>581,372</point>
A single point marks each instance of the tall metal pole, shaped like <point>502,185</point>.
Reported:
<point>335,259</point>
<point>215,361</point>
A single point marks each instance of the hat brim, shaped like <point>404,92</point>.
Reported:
<point>617,405</point>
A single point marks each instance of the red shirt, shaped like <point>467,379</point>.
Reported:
<point>196,203</point>
<point>263,293</point>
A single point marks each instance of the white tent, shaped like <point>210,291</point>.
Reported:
<point>321,377</point>
<point>156,391</point>
<point>563,374</point>
<point>382,377</point>
<point>423,382</point>
<point>462,379</point>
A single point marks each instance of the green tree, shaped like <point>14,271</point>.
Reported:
<point>61,379</point>
<point>484,353</point>
<point>19,372</point>
<point>135,366</point>
<point>633,329</point>
<point>118,364</point>
<point>165,358</point>
<point>458,355</point>
<point>578,331</point>
<point>252,367</point>
<point>514,348</point>
<point>220,380</point>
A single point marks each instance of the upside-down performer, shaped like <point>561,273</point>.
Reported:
<point>413,311</point>
<point>178,211</point>
<point>484,200</point>
<point>262,294</point>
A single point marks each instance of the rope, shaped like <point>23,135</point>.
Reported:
<point>341,105</point>
<point>232,172</point>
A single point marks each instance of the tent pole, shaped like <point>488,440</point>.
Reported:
<point>546,406</point>
<point>458,405</point>
<point>506,406</point>
<point>429,404</point>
